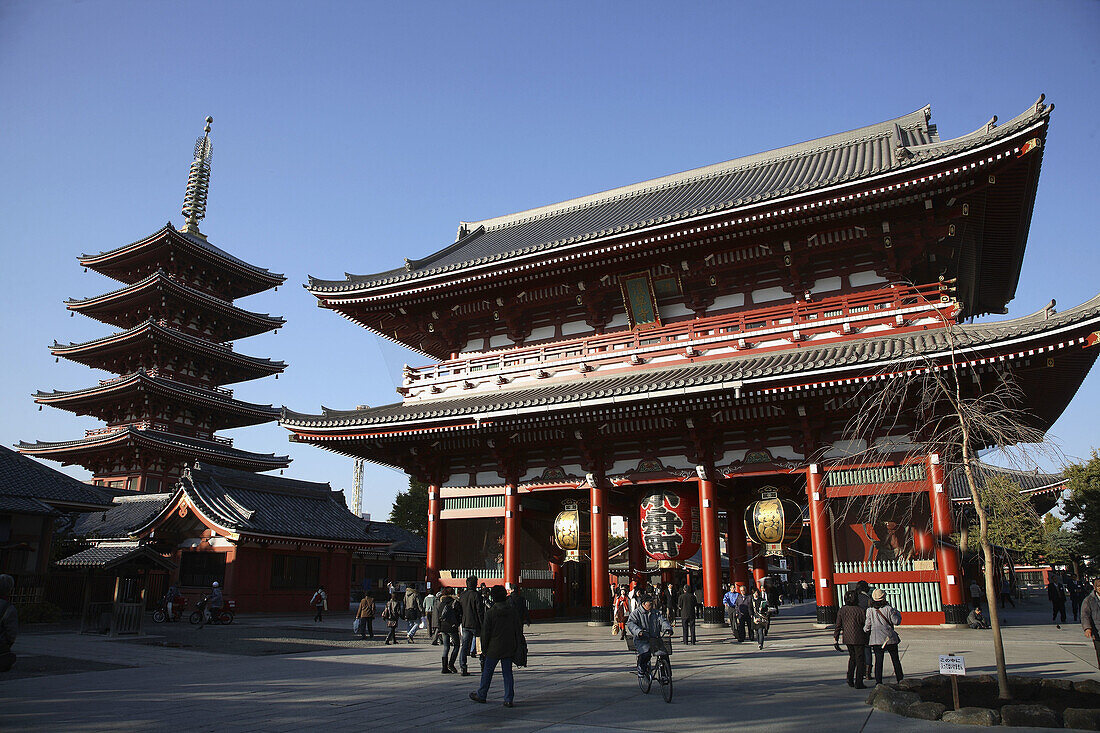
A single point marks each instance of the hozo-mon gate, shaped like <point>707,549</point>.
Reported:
<point>703,335</point>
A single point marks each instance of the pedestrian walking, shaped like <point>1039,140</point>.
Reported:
<point>1006,587</point>
<point>803,590</point>
<point>518,602</point>
<point>448,616</point>
<point>686,608</point>
<point>319,601</point>
<point>621,608</point>
<point>1090,618</point>
<point>429,606</point>
<point>863,598</point>
<point>501,632</point>
<point>473,611</point>
<point>365,616</point>
<point>761,616</point>
<point>1056,594</point>
<point>850,622</point>
<point>732,603</point>
<point>414,611</point>
<point>391,614</point>
<point>669,604</point>
<point>881,620</point>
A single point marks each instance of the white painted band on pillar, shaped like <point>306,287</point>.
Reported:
<point>706,503</point>
<point>431,518</point>
<point>823,582</point>
<point>951,580</point>
<point>935,458</point>
<point>938,488</point>
<point>595,510</point>
<point>817,496</point>
<point>814,468</point>
<point>508,513</point>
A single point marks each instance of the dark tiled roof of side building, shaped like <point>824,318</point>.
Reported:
<point>865,354</point>
<point>1028,481</point>
<point>25,477</point>
<point>258,504</point>
<point>127,512</point>
<point>836,159</point>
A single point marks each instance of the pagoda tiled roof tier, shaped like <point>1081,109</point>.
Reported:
<point>28,483</point>
<point>834,172</point>
<point>801,366</point>
<point>168,249</point>
<point>129,438</point>
<point>254,506</point>
<point>101,399</point>
<point>130,350</point>
<point>159,293</point>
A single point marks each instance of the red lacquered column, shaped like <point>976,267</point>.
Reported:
<point>822,547</point>
<point>712,566</point>
<point>947,557</point>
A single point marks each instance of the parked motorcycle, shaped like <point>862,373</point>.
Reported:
<point>225,616</point>
<point>179,605</point>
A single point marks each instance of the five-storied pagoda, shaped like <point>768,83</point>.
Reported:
<point>173,356</point>
<point>681,347</point>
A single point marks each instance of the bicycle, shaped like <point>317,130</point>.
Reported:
<point>659,667</point>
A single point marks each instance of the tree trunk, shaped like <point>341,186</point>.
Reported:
<point>987,552</point>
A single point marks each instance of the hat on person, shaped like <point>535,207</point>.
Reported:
<point>215,584</point>
<point>878,595</point>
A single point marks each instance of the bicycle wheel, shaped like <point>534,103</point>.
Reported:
<point>645,681</point>
<point>664,676</point>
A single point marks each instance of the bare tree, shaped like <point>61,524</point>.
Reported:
<point>948,407</point>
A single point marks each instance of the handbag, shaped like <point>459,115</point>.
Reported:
<point>893,638</point>
<point>355,626</point>
<point>520,658</point>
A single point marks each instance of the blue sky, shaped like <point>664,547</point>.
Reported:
<point>348,136</point>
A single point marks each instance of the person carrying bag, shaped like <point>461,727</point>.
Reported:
<point>881,619</point>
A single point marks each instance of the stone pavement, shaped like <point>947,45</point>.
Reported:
<point>579,680</point>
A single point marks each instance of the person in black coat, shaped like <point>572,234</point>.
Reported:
<point>686,608</point>
<point>1056,594</point>
<point>501,631</point>
<point>473,611</point>
<point>669,599</point>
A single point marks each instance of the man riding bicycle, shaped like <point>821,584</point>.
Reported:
<point>646,622</point>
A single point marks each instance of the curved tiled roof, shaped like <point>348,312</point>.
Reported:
<point>198,244</point>
<point>155,440</point>
<point>113,554</point>
<point>154,330</point>
<point>252,323</point>
<point>257,504</point>
<point>141,378</point>
<point>25,477</point>
<point>837,159</point>
<point>1029,482</point>
<point>126,512</point>
<point>861,354</point>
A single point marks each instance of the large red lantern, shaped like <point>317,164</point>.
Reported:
<point>670,524</point>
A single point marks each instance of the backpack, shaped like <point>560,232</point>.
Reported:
<point>448,619</point>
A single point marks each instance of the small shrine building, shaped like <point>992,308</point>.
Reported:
<point>673,349</point>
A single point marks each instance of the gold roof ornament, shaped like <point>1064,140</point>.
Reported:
<point>198,184</point>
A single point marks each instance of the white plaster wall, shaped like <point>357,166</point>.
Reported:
<point>501,339</point>
<point>541,333</point>
<point>574,327</point>
<point>730,300</point>
<point>765,295</point>
<point>826,284</point>
<point>619,319</point>
<point>675,310</point>
<point>844,448</point>
<point>868,277</point>
<point>488,478</point>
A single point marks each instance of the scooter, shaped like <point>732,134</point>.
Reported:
<point>161,616</point>
<point>225,616</point>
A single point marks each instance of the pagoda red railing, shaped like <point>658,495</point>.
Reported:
<point>897,304</point>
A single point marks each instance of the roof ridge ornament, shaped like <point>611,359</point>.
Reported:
<point>198,184</point>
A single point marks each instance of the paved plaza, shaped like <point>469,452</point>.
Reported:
<point>280,673</point>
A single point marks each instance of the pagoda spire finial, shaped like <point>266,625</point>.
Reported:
<point>198,183</point>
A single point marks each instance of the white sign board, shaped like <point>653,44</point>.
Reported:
<point>950,664</point>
